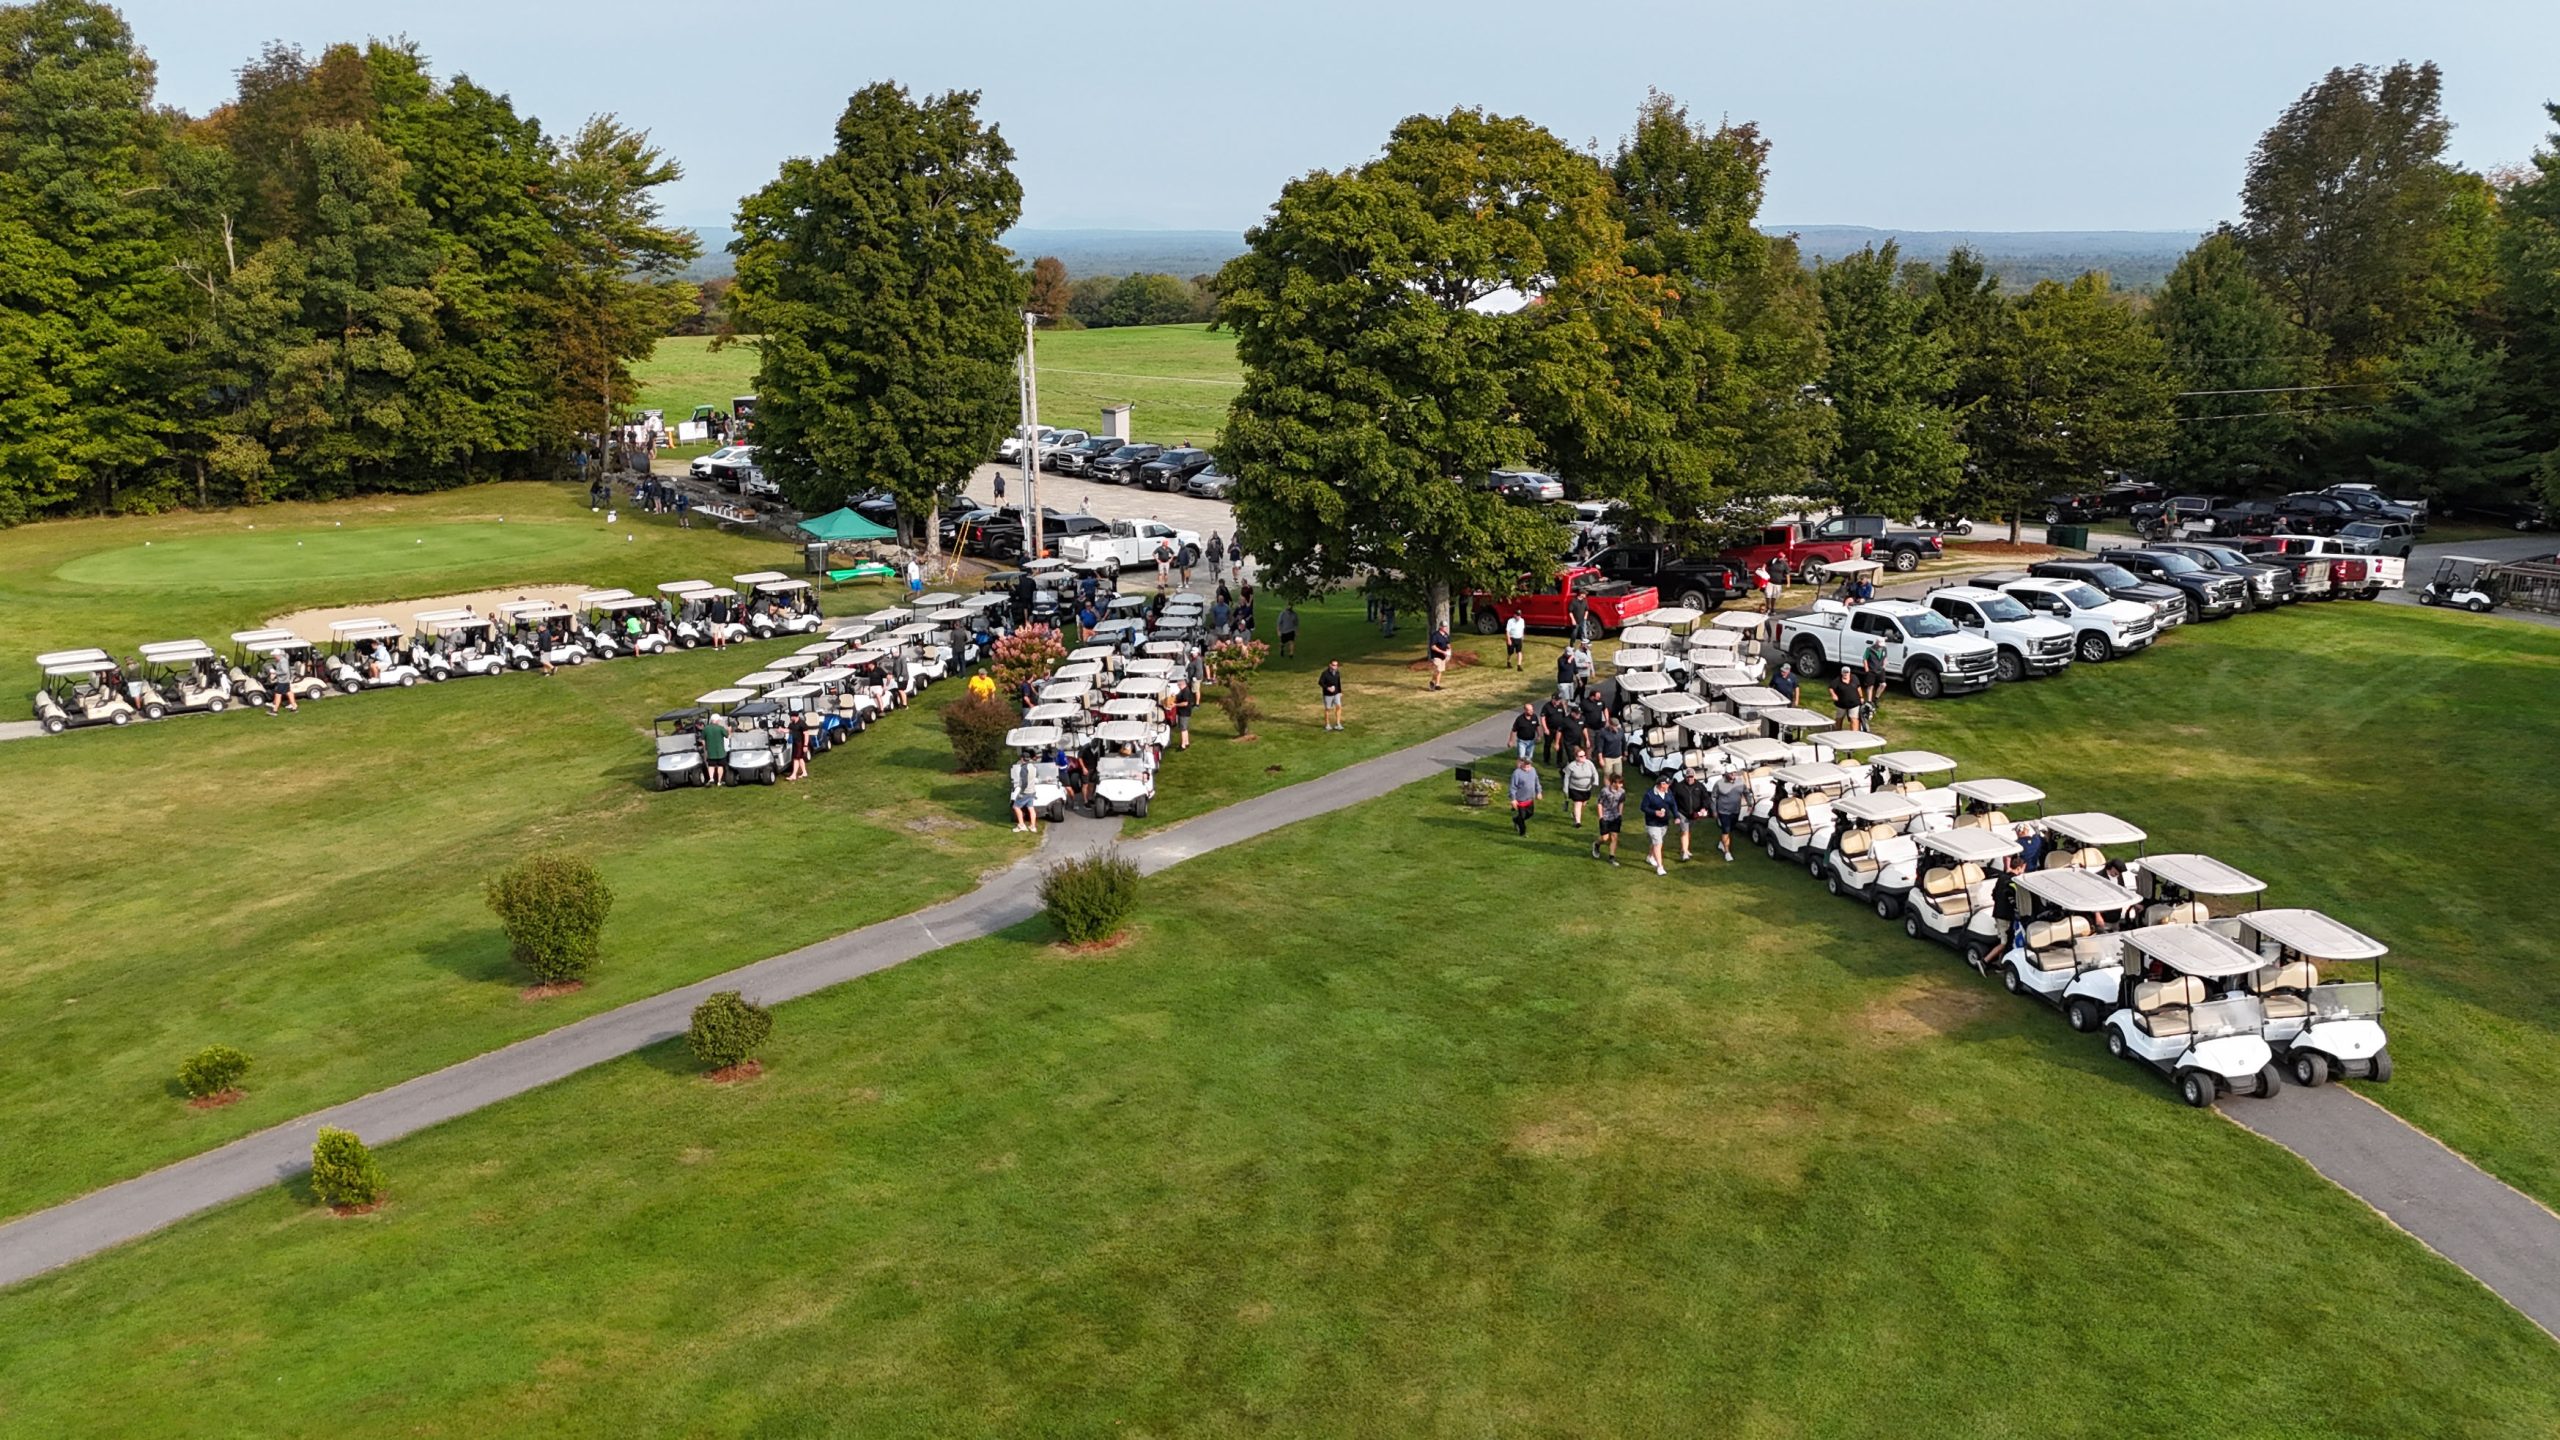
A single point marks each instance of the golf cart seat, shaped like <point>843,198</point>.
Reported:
<point>1985,820</point>
<point>1789,811</point>
<point>2056,935</point>
<point>2285,990</point>
<point>1858,847</point>
<point>2090,858</point>
<point>1943,890</point>
<point>2192,912</point>
<point>2161,1005</point>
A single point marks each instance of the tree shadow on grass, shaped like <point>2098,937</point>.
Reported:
<point>479,955</point>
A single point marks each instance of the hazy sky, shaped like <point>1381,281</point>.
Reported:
<point>1973,114</point>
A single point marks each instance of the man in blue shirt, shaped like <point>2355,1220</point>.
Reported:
<point>1658,808</point>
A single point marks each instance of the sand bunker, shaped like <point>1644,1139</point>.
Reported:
<point>314,624</point>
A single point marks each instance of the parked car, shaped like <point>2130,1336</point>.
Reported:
<point>1211,484</point>
<point>753,482</point>
<point>2073,507</point>
<point>2308,512</point>
<point>2372,504</point>
<point>2122,584</point>
<point>1128,545</point>
<point>1121,465</point>
<point>2244,517</point>
<point>2351,571</point>
<point>2269,585</point>
<point>1072,459</point>
<point>2122,495</point>
<point>1922,648</point>
<point>1795,545</point>
<point>2030,643</point>
<point>2381,537</point>
<point>2207,593</point>
<point>2178,514</point>
<point>1899,547</point>
<point>1172,470</point>
<point>1612,604</point>
<point>729,472</point>
<point>700,469</point>
<point>1696,584</point>
<point>1525,487</point>
<point>2102,627</point>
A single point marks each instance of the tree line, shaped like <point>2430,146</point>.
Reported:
<point>1101,301</point>
<point>352,276</point>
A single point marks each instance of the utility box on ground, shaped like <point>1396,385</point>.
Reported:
<point>1115,421</point>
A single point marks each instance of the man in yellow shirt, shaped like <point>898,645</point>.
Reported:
<point>982,686</point>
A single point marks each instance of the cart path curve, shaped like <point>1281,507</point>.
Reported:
<point>2495,1233</point>
<point>134,1208</point>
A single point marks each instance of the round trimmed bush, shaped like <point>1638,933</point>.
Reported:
<point>553,909</point>
<point>726,1030</point>
<point>977,730</point>
<point>213,1070</point>
<point>1090,896</point>
<point>343,1172</point>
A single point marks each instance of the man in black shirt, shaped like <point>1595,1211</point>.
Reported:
<point>1551,718</point>
<point>1329,684</point>
<point>1571,737</point>
<point>1594,710</point>
<point>1846,696</point>
<point>1690,794</point>
<point>1524,731</point>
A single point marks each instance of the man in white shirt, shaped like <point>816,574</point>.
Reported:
<point>1514,630</point>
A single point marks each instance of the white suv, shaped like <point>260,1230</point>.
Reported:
<point>2030,643</point>
<point>2101,628</point>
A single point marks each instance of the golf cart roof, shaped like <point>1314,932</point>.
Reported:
<point>1648,636</point>
<point>1118,627</point>
<point>1970,845</point>
<point>914,630</point>
<point>894,615</point>
<point>74,657</point>
<point>2203,874</point>
<point>1130,707</point>
<point>1043,566</point>
<point>1080,670</point>
<point>985,602</point>
<point>935,601</point>
<point>761,679</point>
<point>1064,692</point>
<point>1726,677</point>
<point>2094,827</point>
<point>1150,665</point>
<point>239,637</point>
<point>1849,742</point>
<point>1999,793</point>
<point>2314,934</point>
<point>528,610</point>
<point>1852,567</point>
<point>1051,711</point>
<point>1877,806</point>
<point>862,657</point>
<point>1674,704</point>
<point>2082,891</point>
<point>281,642</point>
<point>713,592</point>
<point>1738,621</point>
<point>1713,724</point>
<point>2192,950</point>
<point>1795,717</point>
<point>1646,682</point>
<point>81,667</point>
<point>1141,685</point>
<point>791,692</point>
<point>1819,775</point>
<point>790,663</point>
<point>723,697</point>
<point>598,597</point>
<point>756,710</point>
<point>1123,732</point>
<point>675,717</point>
<point>1756,697</point>
<point>1166,649</point>
<point>1917,762</point>
<point>171,652</point>
<point>950,615</point>
<point>369,629</point>
<point>627,602</point>
<point>1714,640</point>
<point>822,648</point>
<point>828,675</point>
<point>442,617</point>
<point>1636,657</point>
<point>683,587</point>
<point>761,577</point>
<point>1671,615</point>
<point>1757,750</point>
<point>1091,652</point>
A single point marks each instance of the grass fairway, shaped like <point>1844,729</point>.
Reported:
<point>1179,376</point>
<point>1387,1124</point>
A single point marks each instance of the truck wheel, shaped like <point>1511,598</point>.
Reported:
<point>2095,648</point>
<point>2196,1088</point>
<point>2052,517</point>
<point>1693,600</point>
<point>1808,659</point>
<point>2310,1069</point>
<point>1924,682</point>
<point>1110,569</point>
<point>1906,560</point>
<point>1488,623</point>
<point>1190,556</point>
<point>2009,668</point>
<point>2195,612</point>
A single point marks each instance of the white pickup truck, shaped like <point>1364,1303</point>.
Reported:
<point>1129,545</point>
<point>1922,648</point>
<point>2366,576</point>
<point>2030,644</point>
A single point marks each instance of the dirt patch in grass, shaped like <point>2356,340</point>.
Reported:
<point>2000,550</point>
<point>348,1212</point>
<point>314,624</point>
<point>734,1074</point>
<point>1103,946</point>
<point>1922,1007</point>
<point>218,1099</point>
<point>1766,1140</point>
<point>550,989</point>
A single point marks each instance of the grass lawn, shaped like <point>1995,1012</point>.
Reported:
<point>1179,376</point>
<point>1484,1139</point>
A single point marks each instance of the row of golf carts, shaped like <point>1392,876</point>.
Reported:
<point>91,687</point>
<point>833,687</point>
<point>1096,732</point>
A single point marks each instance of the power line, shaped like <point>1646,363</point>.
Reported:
<point>2283,389</point>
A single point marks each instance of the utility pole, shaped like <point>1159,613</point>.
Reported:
<point>1034,537</point>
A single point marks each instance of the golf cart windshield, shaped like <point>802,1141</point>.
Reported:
<point>2228,1016</point>
<point>1928,624</point>
<point>2347,1000</point>
<point>1114,767</point>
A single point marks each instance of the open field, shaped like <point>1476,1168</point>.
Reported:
<point>1179,376</point>
<point>1385,1124</point>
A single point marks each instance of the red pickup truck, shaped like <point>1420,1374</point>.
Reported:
<point>1801,550</point>
<point>1614,604</point>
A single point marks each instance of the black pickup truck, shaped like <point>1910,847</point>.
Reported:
<point>1697,584</point>
<point>1897,546</point>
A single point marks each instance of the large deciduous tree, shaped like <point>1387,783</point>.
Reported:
<point>1888,384</point>
<point>2529,267</point>
<point>2222,332</point>
<point>617,267</point>
<point>1406,326</point>
<point>891,316</point>
<point>2091,394</point>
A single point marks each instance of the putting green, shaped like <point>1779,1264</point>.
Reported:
<point>264,559</point>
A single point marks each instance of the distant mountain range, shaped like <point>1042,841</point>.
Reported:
<point>2138,259</point>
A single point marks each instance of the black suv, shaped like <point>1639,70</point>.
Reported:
<point>2269,585</point>
<point>1073,459</point>
<point>2084,505</point>
<point>1174,468</point>
<point>1121,465</point>
<point>2210,594</point>
<point>2158,517</point>
<point>2308,513</point>
<point>2167,602</point>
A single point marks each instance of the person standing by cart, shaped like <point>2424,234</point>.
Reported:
<point>715,748</point>
<point>1026,821</point>
<point>1186,698</point>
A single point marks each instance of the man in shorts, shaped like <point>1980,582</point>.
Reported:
<point>1872,691</point>
<point>1613,816</point>
<point>1726,798</point>
<point>1329,684</point>
<point>1439,654</point>
<point>1846,697</point>
<point>1658,808</point>
<point>1689,794</point>
<point>1026,821</point>
<point>1514,631</point>
<point>1610,740</point>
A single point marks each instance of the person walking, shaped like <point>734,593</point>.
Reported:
<point>1217,556</point>
<point>1610,741</point>
<point>1329,685</point>
<point>1164,565</point>
<point>1579,612</point>
<point>1515,631</point>
<point>1439,654</point>
<point>1873,688</point>
<point>1846,697</point>
<point>1186,698</point>
<point>1658,808</point>
<point>1525,790</point>
<point>715,749</point>
<point>1566,674</point>
<point>1726,798</point>
<point>1613,816</point>
<point>1689,793</point>
<point>1524,732</point>
<point>1784,682</point>
<point>1581,778</point>
<point>280,696</point>
<point>1026,820</point>
<point>800,741</point>
<point>999,487</point>
<point>1289,630</point>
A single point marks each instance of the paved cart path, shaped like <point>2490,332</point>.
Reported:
<point>2501,1236</point>
<point>136,1207</point>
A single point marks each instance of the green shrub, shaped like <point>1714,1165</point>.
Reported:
<point>726,1030</point>
<point>342,1169</point>
<point>552,908</point>
<point>213,1070</point>
<point>1089,897</point>
<point>977,729</point>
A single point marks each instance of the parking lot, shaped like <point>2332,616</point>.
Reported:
<point>1077,495</point>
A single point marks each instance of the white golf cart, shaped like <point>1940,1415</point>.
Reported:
<point>1872,855</point>
<point>1800,814</point>
<point>1124,778</point>
<point>1704,735</point>
<point>299,660</point>
<point>537,632</point>
<point>919,643</point>
<point>1757,759</point>
<point>2082,839</point>
<point>679,740</point>
<point>2063,936</point>
<point>703,611</point>
<point>181,675</point>
<point>779,604</point>
<point>1661,745</point>
<point>447,643</point>
<point>2322,1029</point>
<point>1952,904</point>
<point>250,662</point>
<point>2188,1025</point>
<point>1843,746</point>
<point>1986,804</point>
<point>625,624</point>
<point>365,655</point>
<point>1038,745</point>
<point>2175,888</point>
<point>1136,710</point>
<point>2464,583</point>
<point>755,742</point>
<point>1719,676</point>
<point>80,690</point>
<point>1909,772</point>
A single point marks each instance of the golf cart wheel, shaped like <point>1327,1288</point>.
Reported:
<point>2196,1088</point>
<point>439,676</point>
<point>216,705</point>
<point>408,680</point>
<point>1057,814</point>
<point>2116,1045</point>
<point>577,657</point>
<point>767,777</point>
<point>1831,883</point>
<point>666,781</point>
<point>686,642</point>
<point>55,724</point>
<point>2009,668</point>
<point>1923,682</point>
<point>2381,1067</point>
<point>1487,622</point>
<point>2081,1015</point>
<point>1906,560</point>
<point>520,665</point>
<point>1770,844</point>
<point>124,717</point>
<point>1140,809</point>
<point>1978,959</point>
<point>350,686</point>
<point>153,712</point>
<point>1885,907</point>
<point>2010,982</point>
<point>2478,607</point>
<point>2269,1081</point>
<point>2095,648</point>
<point>1911,926</point>
<point>2310,1069</point>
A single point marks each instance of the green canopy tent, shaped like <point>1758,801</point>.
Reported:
<point>840,525</point>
